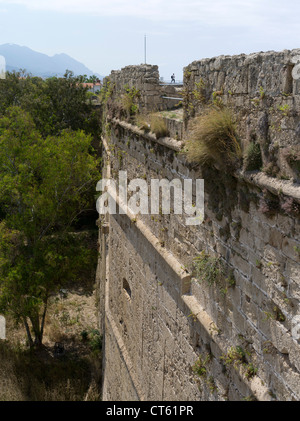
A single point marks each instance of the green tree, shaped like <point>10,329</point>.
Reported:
<point>46,183</point>
<point>92,79</point>
<point>55,104</point>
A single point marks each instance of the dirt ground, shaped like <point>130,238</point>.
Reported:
<point>69,365</point>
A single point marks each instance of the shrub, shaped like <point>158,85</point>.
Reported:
<point>235,356</point>
<point>96,340</point>
<point>253,160</point>
<point>200,366</point>
<point>209,268</point>
<point>129,101</point>
<point>213,138</point>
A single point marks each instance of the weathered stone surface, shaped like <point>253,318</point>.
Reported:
<point>153,338</point>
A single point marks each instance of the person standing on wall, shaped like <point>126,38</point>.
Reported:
<point>173,78</point>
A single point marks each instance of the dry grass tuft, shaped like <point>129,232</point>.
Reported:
<point>158,126</point>
<point>152,122</point>
<point>213,139</point>
<point>141,120</point>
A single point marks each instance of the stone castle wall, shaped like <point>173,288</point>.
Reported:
<point>144,78</point>
<point>264,96</point>
<point>158,319</point>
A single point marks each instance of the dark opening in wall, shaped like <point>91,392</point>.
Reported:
<point>126,287</point>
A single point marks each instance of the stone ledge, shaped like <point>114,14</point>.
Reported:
<point>170,143</point>
<point>258,179</point>
<point>176,266</point>
<point>275,186</point>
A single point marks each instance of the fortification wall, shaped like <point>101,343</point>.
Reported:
<point>158,318</point>
<point>264,96</point>
<point>144,78</point>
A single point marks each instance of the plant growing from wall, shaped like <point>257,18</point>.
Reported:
<point>158,126</point>
<point>284,109</point>
<point>208,268</point>
<point>253,159</point>
<point>141,120</point>
<point>236,357</point>
<point>129,100</point>
<point>200,366</point>
<point>187,74</point>
<point>213,139</point>
<point>275,314</point>
<point>217,100</point>
<point>262,93</point>
<point>250,371</point>
<point>212,270</point>
<point>107,91</point>
<point>255,102</point>
<point>198,94</point>
<point>201,371</point>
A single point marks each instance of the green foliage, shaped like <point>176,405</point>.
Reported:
<point>253,159</point>
<point>284,109</point>
<point>213,139</point>
<point>92,79</point>
<point>55,104</point>
<point>278,315</point>
<point>94,339</point>
<point>250,371</point>
<point>187,74</point>
<point>236,356</point>
<point>200,366</point>
<point>208,268</point>
<point>201,370</point>
<point>107,91</point>
<point>46,183</point>
<point>198,94</point>
<point>217,100</point>
<point>129,100</point>
<point>262,93</point>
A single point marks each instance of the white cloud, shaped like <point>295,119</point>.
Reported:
<point>213,12</point>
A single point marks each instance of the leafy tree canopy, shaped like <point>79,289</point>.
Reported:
<point>46,182</point>
<point>55,104</point>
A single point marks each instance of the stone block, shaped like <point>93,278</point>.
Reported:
<point>291,248</point>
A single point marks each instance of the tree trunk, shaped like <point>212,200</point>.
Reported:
<point>31,344</point>
<point>35,322</point>
<point>43,318</point>
<point>38,325</point>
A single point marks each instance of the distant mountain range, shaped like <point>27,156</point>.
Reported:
<point>38,64</point>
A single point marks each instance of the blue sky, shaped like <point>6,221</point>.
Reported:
<point>109,34</point>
